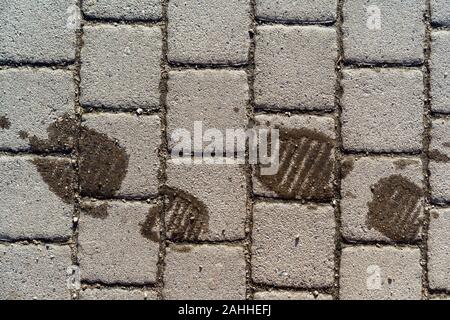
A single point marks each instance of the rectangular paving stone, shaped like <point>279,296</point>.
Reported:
<point>382,110</point>
<point>440,160</point>
<point>296,10</point>
<point>382,199</point>
<point>372,32</point>
<point>34,272</point>
<point>117,242</point>
<point>42,31</point>
<point>121,66</point>
<point>387,273</point>
<point>36,196</point>
<point>440,12</point>
<point>117,294</point>
<point>31,100</point>
<point>202,185</point>
<point>306,169</point>
<point>217,98</point>
<point>440,71</point>
<point>123,9</point>
<point>295,67</point>
<point>204,272</point>
<point>438,253</point>
<point>209,32</point>
<point>290,295</point>
<point>293,245</point>
<point>138,138</point>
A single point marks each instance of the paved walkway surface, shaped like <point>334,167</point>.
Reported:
<point>92,205</point>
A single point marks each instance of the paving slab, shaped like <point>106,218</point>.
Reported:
<point>440,71</point>
<point>34,272</point>
<point>36,196</point>
<point>115,243</point>
<point>372,32</point>
<point>293,245</point>
<point>438,253</point>
<point>138,138</point>
<point>42,31</point>
<point>130,10</point>
<point>117,294</point>
<point>212,33</point>
<point>295,67</point>
<point>212,272</point>
<point>307,161</point>
<point>121,66</point>
<point>297,10</point>
<point>216,98</point>
<point>387,273</point>
<point>290,295</point>
<point>440,161</point>
<point>382,110</point>
<point>440,12</point>
<point>202,185</point>
<point>31,100</point>
<point>382,199</point>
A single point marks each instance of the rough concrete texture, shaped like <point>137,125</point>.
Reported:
<point>440,71</point>
<point>382,110</point>
<point>121,66</point>
<point>39,31</point>
<point>295,67</point>
<point>123,9</point>
<point>113,244</point>
<point>30,100</point>
<point>212,272</point>
<point>381,197</point>
<point>387,273</point>
<point>440,12</point>
<point>30,209</point>
<point>117,294</point>
<point>212,34</point>
<point>139,136</point>
<point>438,253</point>
<point>290,295</point>
<point>217,98</point>
<point>372,32</point>
<point>92,90</point>
<point>440,160</point>
<point>296,10</point>
<point>293,245</point>
<point>226,211</point>
<point>34,272</point>
<point>309,171</point>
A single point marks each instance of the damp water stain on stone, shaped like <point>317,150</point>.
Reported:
<point>4,123</point>
<point>187,218</point>
<point>98,211</point>
<point>103,163</point>
<point>347,167</point>
<point>23,135</point>
<point>306,166</point>
<point>59,176</point>
<point>437,156</point>
<point>150,227</point>
<point>395,209</point>
<point>403,163</point>
<point>181,248</point>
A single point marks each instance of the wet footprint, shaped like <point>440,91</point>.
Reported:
<point>395,208</point>
<point>306,165</point>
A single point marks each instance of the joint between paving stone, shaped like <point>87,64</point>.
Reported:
<point>426,148</point>
<point>250,69</point>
